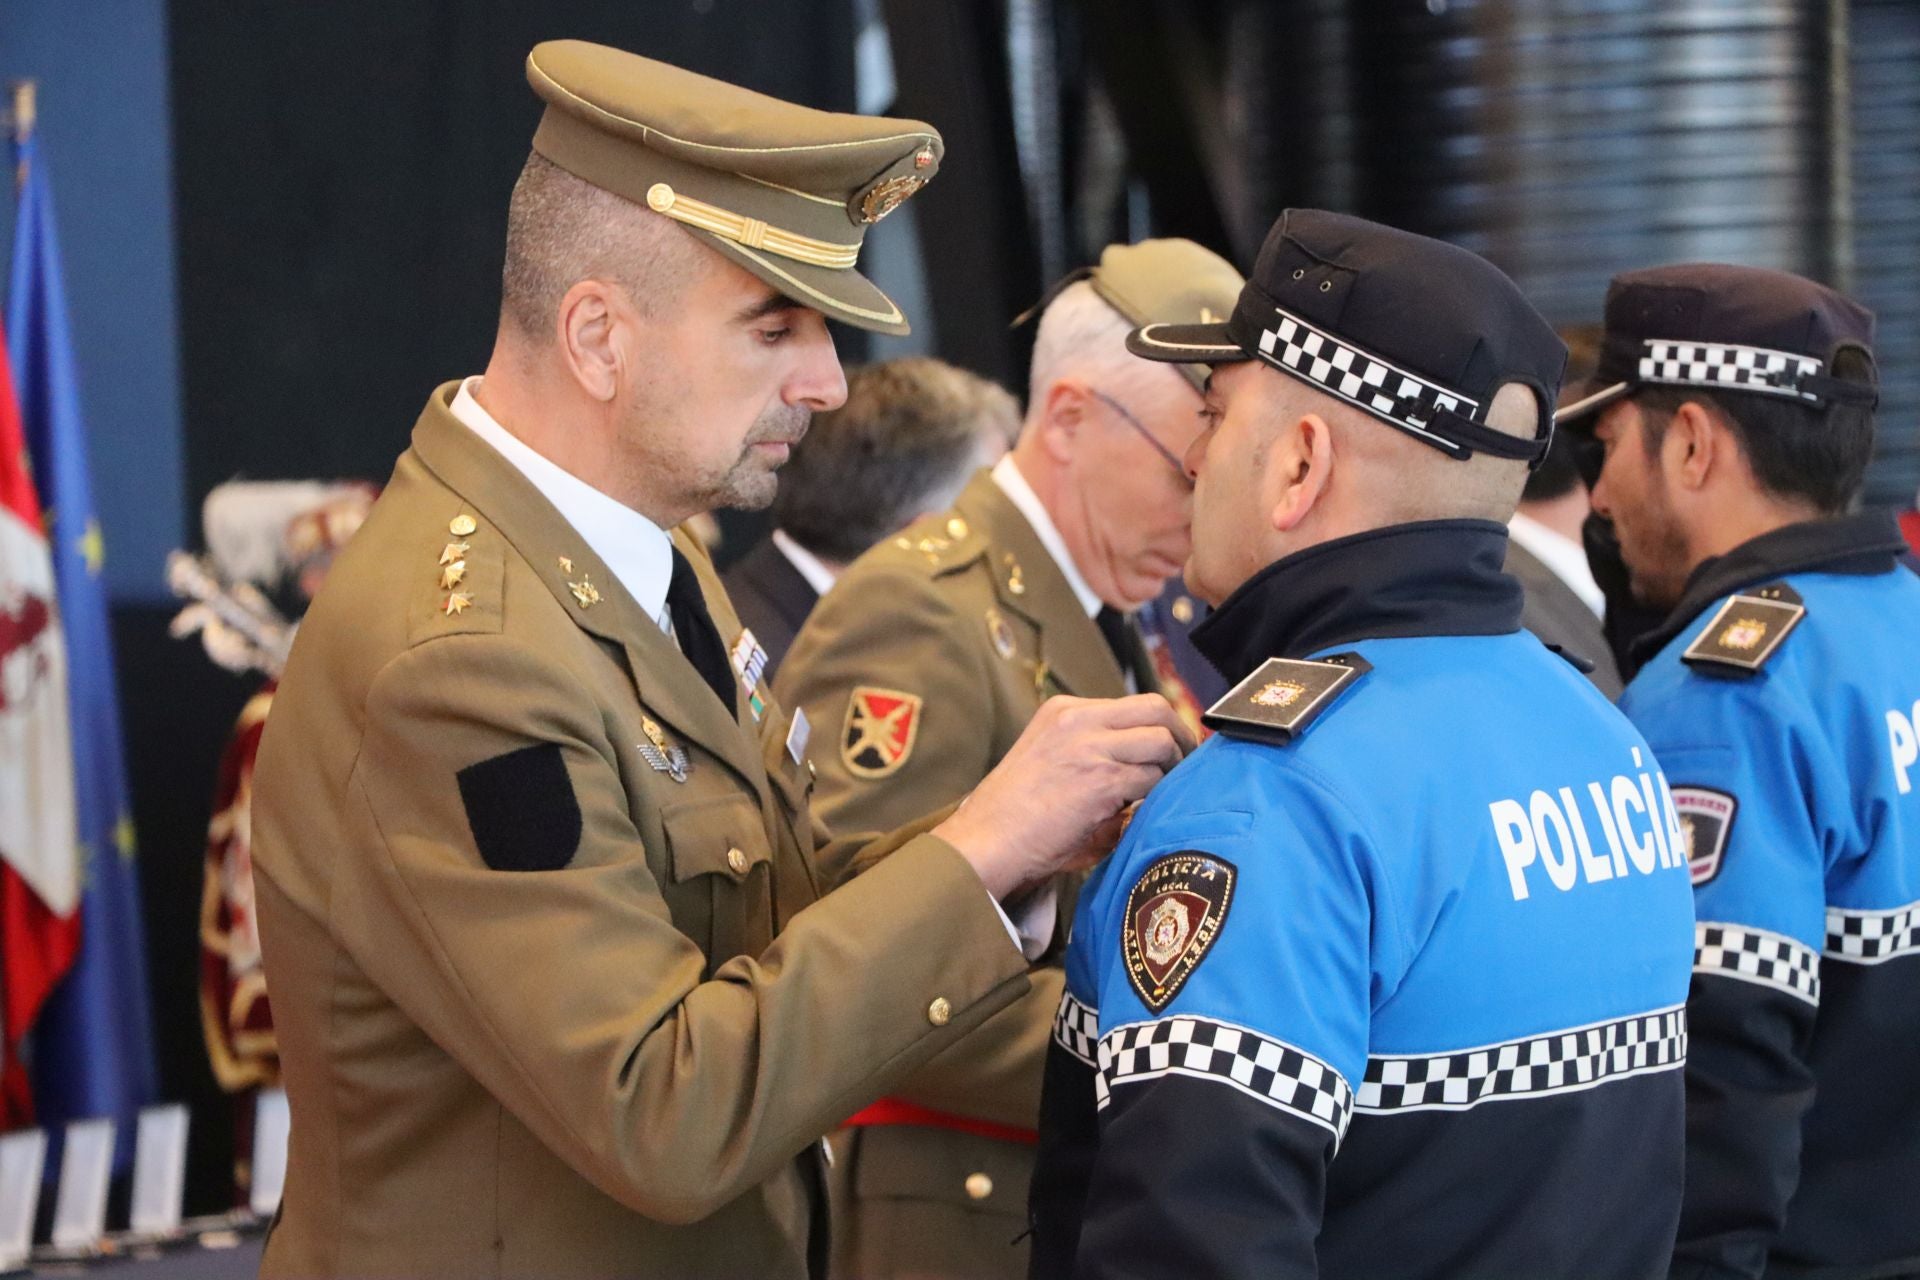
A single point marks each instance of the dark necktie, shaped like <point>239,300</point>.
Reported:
<point>693,628</point>
<point>1129,650</point>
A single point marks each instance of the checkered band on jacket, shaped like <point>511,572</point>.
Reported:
<point>1758,956</point>
<point>1558,1062</point>
<point>1873,937</point>
<point>1736,368</point>
<point>1076,1028</point>
<point>1268,1070</point>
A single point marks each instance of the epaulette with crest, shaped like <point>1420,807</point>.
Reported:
<point>1747,631</point>
<point>1279,700</point>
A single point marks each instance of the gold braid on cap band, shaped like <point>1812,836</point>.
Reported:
<point>750,232</point>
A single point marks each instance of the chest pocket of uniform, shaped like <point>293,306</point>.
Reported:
<point>719,844</point>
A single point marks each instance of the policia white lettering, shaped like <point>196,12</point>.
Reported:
<point>1634,815</point>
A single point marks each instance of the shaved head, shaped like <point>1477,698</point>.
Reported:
<point>562,230</point>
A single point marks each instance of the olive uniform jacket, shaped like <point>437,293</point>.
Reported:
<point>920,669</point>
<point>559,987</point>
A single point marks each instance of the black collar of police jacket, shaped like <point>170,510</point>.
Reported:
<point>1867,543</point>
<point>1433,578</point>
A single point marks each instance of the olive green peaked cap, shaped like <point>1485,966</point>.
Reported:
<point>786,192</point>
<point>1167,281</point>
<point>1155,281</point>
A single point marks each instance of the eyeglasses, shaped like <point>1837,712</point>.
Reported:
<point>1179,467</point>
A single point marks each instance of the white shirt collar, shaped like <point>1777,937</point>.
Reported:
<point>635,550</point>
<point>811,567</point>
<point>1561,554</point>
<point>1007,475</point>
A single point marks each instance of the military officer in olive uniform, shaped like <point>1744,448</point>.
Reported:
<point>563,987</point>
<point>928,658</point>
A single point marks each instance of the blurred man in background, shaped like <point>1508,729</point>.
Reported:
<point>1780,694</point>
<point>1564,604</point>
<point>910,434</point>
<point>928,659</point>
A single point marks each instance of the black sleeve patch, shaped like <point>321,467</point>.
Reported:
<point>522,809</point>
<point>1175,911</point>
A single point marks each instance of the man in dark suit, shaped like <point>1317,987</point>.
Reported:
<point>903,445</point>
<point>1544,551</point>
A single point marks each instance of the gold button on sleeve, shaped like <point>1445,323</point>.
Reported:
<point>939,1011</point>
<point>979,1186</point>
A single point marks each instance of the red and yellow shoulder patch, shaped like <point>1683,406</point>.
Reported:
<point>1174,913</point>
<point>880,729</point>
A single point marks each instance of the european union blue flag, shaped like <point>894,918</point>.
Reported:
<point>93,1044</point>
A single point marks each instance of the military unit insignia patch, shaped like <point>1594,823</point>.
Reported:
<point>1281,698</point>
<point>1747,631</point>
<point>880,729</point>
<point>1706,819</point>
<point>1174,913</point>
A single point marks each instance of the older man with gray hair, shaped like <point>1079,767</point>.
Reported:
<point>931,655</point>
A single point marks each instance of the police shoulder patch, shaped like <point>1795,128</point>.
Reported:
<point>1706,819</point>
<point>879,732</point>
<point>1280,699</point>
<point>1174,912</point>
<point>1746,632</point>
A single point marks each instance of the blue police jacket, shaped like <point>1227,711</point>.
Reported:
<point>1784,704</point>
<point>1388,978</point>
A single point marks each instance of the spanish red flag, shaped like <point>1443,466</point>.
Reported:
<point>39,849</point>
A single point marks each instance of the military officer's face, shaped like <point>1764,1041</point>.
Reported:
<point>1137,499</point>
<point>1634,492</point>
<point>723,385</point>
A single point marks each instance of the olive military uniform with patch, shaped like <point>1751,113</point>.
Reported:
<point>560,986</point>
<point>918,671</point>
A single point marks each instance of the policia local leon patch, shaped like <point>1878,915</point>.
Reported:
<point>1174,913</point>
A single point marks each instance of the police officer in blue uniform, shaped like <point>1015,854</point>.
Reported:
<point>1388,977</point>
<point>1781,694</point>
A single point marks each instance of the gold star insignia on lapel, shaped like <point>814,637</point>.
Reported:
<point>585,592</point>
<point>451,575</point>
<point>566,564</point>
<point>458,602</point>
<point>452,551</point>
<point>1016,583</point>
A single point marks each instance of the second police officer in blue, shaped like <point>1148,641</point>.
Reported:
<point>1389,977</point>
<point>1734,407</point>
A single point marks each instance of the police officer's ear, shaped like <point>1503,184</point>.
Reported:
<point>1698,445</point>
<point>588,324</point>
<point>1299,467</point>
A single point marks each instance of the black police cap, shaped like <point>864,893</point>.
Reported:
<point>1745,330</point>
<point>1418,333</point>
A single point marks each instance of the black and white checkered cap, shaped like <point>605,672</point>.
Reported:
<point>1726,329</point>
<point>1415,332</point>
<point>1759,956</point>
<point>1873,937</point>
